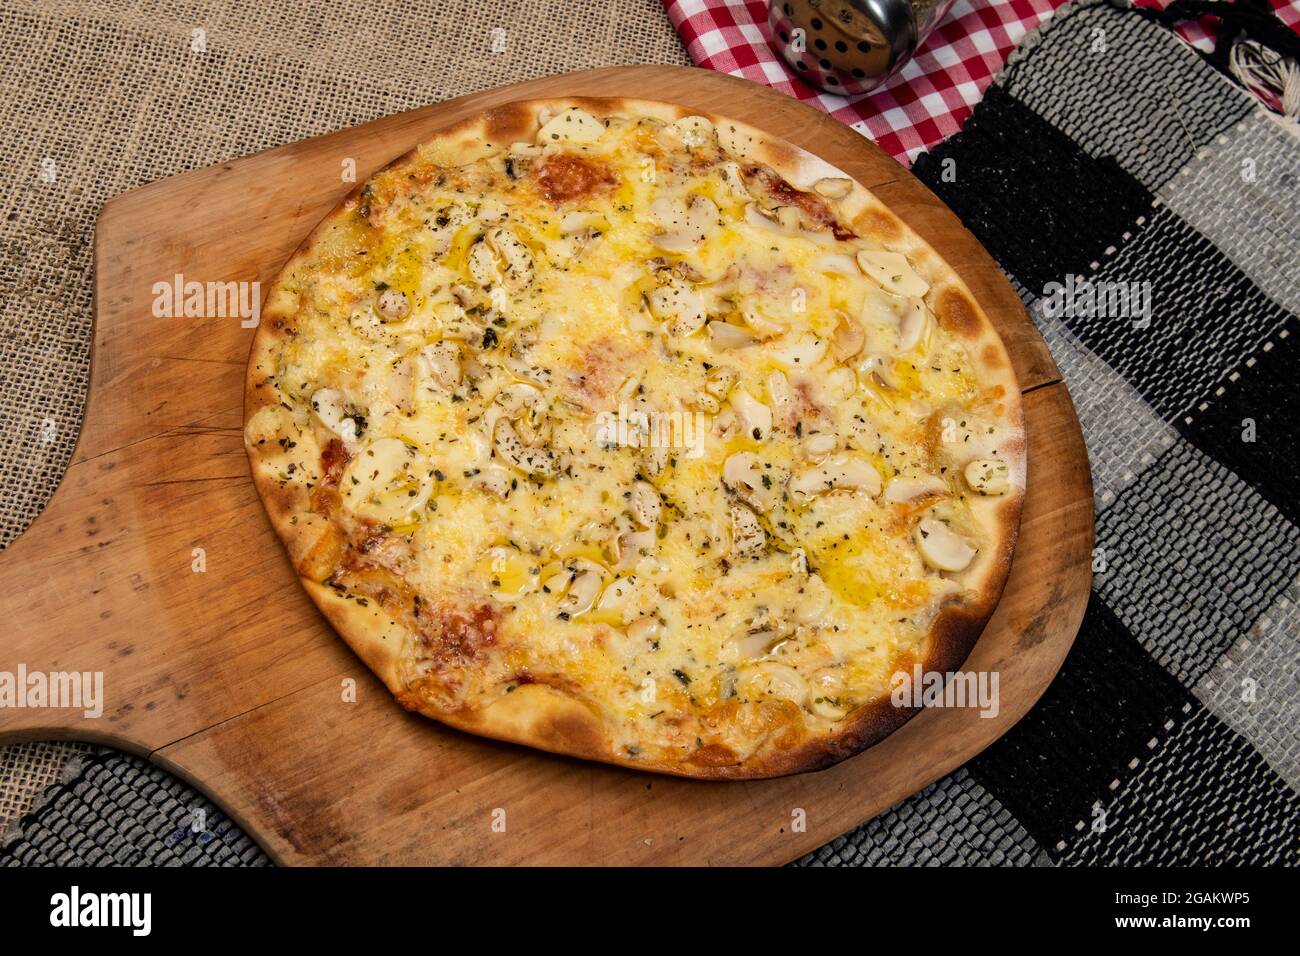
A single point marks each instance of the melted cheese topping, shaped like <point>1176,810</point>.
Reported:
<point>695,459</point>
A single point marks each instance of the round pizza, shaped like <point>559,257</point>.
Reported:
<point>636,434</point>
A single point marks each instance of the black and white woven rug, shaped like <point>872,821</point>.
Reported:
<point>1107,150</point>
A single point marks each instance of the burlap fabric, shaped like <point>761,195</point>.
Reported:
<point>101,97</point>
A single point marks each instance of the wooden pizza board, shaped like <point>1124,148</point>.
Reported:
<point>230,678</point>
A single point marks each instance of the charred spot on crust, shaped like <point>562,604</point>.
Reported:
<point>567,176</point>
<point>333,459</point>
<point>957,313</point>
<point>993,357</point>
<point>508,124</point>
<point>878,224</point>
<point>460,635</point>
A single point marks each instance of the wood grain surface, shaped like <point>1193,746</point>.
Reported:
<point>230,678</point>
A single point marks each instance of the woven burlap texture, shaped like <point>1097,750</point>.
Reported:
<point>102,97</point>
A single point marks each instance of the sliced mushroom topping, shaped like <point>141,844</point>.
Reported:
<point>840,382</point>
<point>756,643</point>
<point>653,460</point>
<point>392,305</point>
<point>570,126</point>
<point>892,272</point>
<point>683,224</point>
<point>329,406</point>
<point>388,481</point>
<point>818,445</point>
<point>988,476</point>
<point>725,337</point>
<point>645,504</point>
<point>482,264</point>
<point>842,472</point>
<point>762,325</point>
<point>904,488</point>
<point>913,325</point>
<point>631,546</point>
<point>517,257</point>
<point>769,679</point>
<point>827,694</point>
<point>745,475</point>
<point>695,131</point>
<point>679,306</point>
<point>833,187</point>
<point>753,417</point>
<point>583,589</point>
<point>495,479</point>
<point>782,397</point>
<point>848,339</point>
<point>643,629</point>
<point>804,352</point>
<point>941,547</point>
<point>440,363</point>
<point>616,594</point>
<point>518,455</point>
<point>747,534</point>
<point>720,381</point>
<point>399,383</point>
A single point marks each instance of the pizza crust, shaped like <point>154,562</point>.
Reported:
<point>559,719</point>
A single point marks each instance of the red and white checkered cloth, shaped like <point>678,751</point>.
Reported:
<point>934,92</point>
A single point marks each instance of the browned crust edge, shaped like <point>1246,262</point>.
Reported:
<point>549,719</point>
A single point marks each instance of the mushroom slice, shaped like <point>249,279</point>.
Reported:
<point>833,187</point>
<point>892,272</point>
<point>683,224</point>
<point>842,472</point>
<point>747,535</point>
<point>631,546</point>
<point>585,587</point>
<point>695,131</point>
<point>913,325</point>
<point>643,629</point>
<point>754,418</point>
<point>726,337</point>
<point>848,339</point>
<point>804,352</point>
<point>679,306</point>
<point>329,406</point>
<point>941,547</point>
<point>520,456</point>
<point>826,694</point>
<point>517,257</point>
<point>988,476</point>
<point>392,305</point>
<point>616,594</point>
<point>570,126</point>
<point>769,679</point>
<point>645,504</point>
<point>387,481</point>
<point>837,262</point>
<point>440,362</point>
<point>482,264</point>
<point>745,475</point>
<point>495,479</point>
<point>901,488</point>
<point>818,445</point>
<point>720,381</point>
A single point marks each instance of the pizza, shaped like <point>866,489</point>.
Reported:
<point>636,434</point>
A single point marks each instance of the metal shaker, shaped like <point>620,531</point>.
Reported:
<point>850,46</point>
